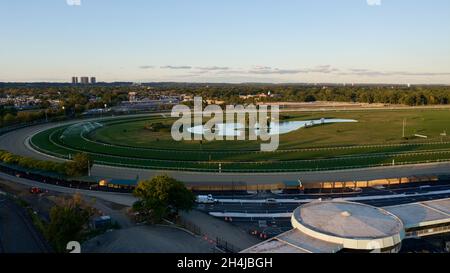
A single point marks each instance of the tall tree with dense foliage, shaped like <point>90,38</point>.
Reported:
<point>67,223</point>
<point>160,197</point>
<point>79,166</point>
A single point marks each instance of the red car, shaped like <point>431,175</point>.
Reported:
<point>35,190</point>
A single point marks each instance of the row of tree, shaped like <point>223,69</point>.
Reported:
<point>76,100</point>
<point>80,97</point>
<point>412,96</point>
<point>11,116</point>
<point>77,167</point>
<point>72,101</point>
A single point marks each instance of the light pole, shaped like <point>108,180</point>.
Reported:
<point>404,124</point>
<point>104,110</point>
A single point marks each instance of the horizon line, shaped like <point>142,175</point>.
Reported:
<point>231,83</point>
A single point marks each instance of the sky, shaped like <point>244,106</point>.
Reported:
<point>296,41</point>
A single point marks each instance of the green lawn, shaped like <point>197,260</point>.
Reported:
<point>375,140</point>
<point>374,127</point>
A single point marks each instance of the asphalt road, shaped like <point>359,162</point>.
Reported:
<point>118,198</point>
<point>410,197</point>
<point>17,233</point>
<point>289,208</point>
<point>15,142</point>
<point>147,239</point>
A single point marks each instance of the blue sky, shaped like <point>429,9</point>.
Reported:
<point>398,41</point>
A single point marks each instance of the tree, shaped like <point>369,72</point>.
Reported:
<point>67,222</point>
<point>310,98</point>
<point>79,166</point>
<point>31,163</point>
<point>9,119</point>
<point>2,112</point>
<point>161,196</point>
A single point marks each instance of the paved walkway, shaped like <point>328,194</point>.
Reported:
<point>117,213</point>
<point>147,239</point>
<point>17,233</point>
<point>118,198</point>
<point>215,228</point>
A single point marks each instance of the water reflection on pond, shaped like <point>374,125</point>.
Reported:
<point>237,129</point>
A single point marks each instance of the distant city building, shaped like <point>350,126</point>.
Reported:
<point>84,80</point>
<point>132,97</point>
<point>21,102</point>
<point>134,104</point>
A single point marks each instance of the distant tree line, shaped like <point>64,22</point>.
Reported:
<point>10,116</point>
<point>411,96</point>
<point>77,99</point>
<point>72,101</point>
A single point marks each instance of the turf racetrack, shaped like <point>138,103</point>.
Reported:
<point>376,140</point>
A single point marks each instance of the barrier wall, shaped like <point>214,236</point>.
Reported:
<point>319,185</point>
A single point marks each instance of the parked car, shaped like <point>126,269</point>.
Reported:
<point>206,199</point>
<point>36,190</point>
<point>271,201</point>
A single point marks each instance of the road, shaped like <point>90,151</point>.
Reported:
<point>17,233</point>
<point>290,207</point>
<point>118,198</point>
<point>16,142</point>
<point>378,198</point>
<point>213,229</point>
<point>147,239</point>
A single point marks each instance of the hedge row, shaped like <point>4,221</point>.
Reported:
<point>31,163</point>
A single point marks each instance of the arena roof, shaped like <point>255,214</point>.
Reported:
<point>351,225</point>
<point>422,214</point>
<point>347,220</point>
<point>330,226</point>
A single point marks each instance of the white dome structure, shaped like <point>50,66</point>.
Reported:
<point>355,226</point>
<point>339,226</point>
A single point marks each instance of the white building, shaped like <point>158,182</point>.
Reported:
<point>340,226</point>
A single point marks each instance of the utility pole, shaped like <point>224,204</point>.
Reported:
<point>89,169</point>
<point>404,125</point>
